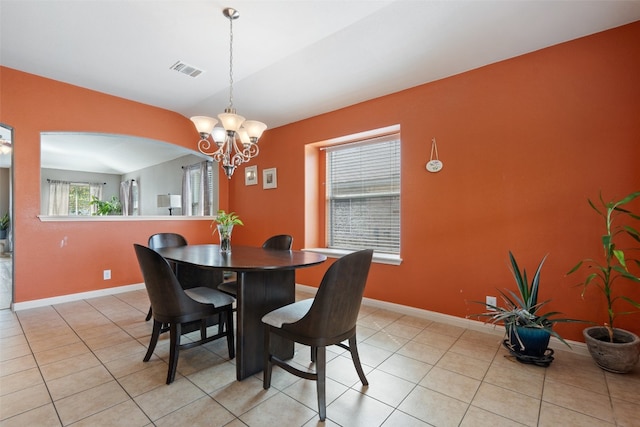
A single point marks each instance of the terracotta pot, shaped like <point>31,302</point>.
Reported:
<point>620,356</point>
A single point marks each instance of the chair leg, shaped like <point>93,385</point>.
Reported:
<point>174,350</point>
<point>148,315</point>
<point>266,372</point>
<point>157,326</point>
<point>228,315</point>
<point>203,329</point>
<point>321,371</point>
<point>353,348</point>
<point>314,351</point>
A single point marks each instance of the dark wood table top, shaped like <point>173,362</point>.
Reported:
<point>242,258</point>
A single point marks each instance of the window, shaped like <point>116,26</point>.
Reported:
<point>363,195</point>
<point>79,199</point>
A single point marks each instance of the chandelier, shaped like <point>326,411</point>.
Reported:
<point>236,141</point>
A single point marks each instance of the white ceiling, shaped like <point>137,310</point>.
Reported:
<point>293,59</point>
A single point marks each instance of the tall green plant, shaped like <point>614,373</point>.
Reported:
<point>615,264</point>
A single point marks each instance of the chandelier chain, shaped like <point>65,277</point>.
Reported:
<point>230,63</point>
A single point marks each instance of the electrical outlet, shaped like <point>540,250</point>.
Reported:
<point>106,275</point>
<point>491,301</point>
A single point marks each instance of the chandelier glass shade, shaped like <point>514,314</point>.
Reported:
<point>235,141</point>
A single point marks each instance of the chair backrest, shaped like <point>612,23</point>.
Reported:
<point>281,242</point>
<point>336,305</point>
<point>166,240</point>
<point>168,300</point>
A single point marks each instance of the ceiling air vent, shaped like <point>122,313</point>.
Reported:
<point>187,69</point>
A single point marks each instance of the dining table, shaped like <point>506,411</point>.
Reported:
<point>266,281</point>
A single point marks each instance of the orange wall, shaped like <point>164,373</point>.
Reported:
<point>44,267</point>
<point>524,143</point>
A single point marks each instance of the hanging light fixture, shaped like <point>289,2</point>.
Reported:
<point>236,141</point>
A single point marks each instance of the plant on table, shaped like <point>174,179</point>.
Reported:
<point>224,223</point>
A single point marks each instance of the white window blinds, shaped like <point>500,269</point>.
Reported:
<point>363,195</point>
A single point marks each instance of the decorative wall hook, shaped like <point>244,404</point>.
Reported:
<point>434,164</point>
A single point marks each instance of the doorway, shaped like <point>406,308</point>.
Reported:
<point>6,216</point>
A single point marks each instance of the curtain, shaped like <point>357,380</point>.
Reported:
<point>187,199</point>
<point>196,189</point>
<point>95,189</point>
<point>58,198</point>
<point>129,197</point>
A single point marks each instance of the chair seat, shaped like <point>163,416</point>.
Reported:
<point>229,288</point>
<point>209,296</point>
<point>288,314</point>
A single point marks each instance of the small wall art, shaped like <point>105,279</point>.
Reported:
<point>251,175</point>
<point>269,178</point>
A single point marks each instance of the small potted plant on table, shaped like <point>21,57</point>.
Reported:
<point>613,349</point>
<point>527,329</point>
<point>224,223</point>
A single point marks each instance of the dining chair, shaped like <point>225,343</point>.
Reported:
<point>174,306</point>
<point>165,240</point>
<point>281,242</point>
<point>327,319</point>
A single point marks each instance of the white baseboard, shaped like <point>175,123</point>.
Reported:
<point>476,325</point>
<point>576,347</point>
<point>75,297</point>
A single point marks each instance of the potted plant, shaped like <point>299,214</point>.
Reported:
<point>613,349</point>
<point>224,223</point>
<point>527,328</point>
<point>4,225</point>
<point>106,207</point>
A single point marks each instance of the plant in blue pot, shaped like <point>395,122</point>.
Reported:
<point>527,329</point>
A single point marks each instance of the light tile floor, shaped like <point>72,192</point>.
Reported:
<point>80,364</point>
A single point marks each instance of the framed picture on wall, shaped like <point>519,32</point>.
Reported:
<point>251,175</point>
<point>269,178</point>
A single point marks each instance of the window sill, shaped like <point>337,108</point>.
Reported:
<point>73,218</point>
<point>377,257</point>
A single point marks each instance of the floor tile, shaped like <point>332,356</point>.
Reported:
<point>165,399</point>
<point>507,403</point>
<point>405,367</point>
<point>420,373</point>
<point>82,405</point>
<point>358,410</point>
<point>386,388</point>
<point>305,392</point>
<point>578,399</point>
<point>126,414</point>
<point>43,416</point>
<point>476,417</point>
<point>204,412</point>
<point>451,384</point>
<point>552,416</point>
<point>433,407</point>
<point>240,396</point>
<point>23,400</point>
<point>464,365</point>
<point>400,419</point>
<point>279,410</point>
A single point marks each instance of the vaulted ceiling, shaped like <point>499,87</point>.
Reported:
<point>293,59</point>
